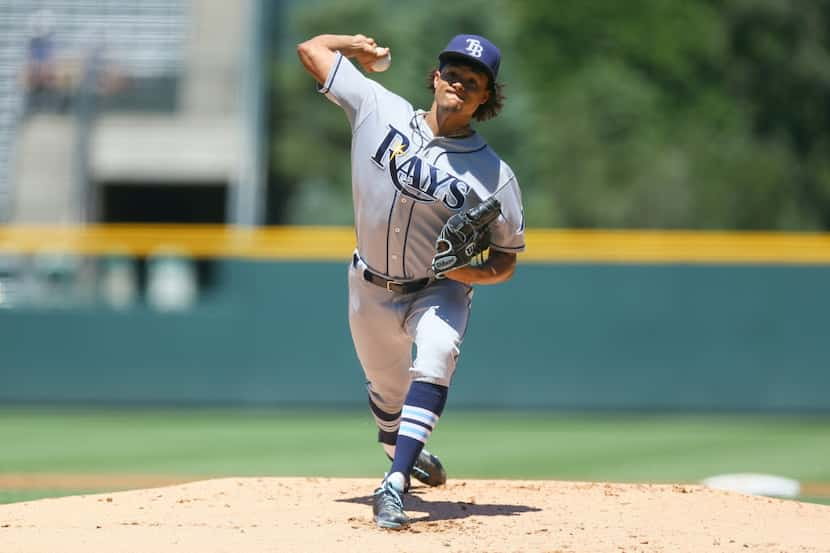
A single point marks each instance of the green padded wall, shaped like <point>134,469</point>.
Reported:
<point>685,337</point>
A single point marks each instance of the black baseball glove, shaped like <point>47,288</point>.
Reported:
<point>465,235</point>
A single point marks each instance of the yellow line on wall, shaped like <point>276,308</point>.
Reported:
<point>336,243</point>
<point>677,247</point>
<point>195,240</point>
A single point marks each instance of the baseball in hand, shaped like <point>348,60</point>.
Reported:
<point>382,64</point>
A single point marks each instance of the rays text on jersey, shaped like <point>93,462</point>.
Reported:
<point>415,177</point>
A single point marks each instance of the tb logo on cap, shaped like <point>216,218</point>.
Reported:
<point>474,47</point>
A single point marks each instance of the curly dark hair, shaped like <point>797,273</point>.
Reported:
<point>492,106</point>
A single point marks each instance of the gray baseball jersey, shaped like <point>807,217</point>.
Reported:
<point>406,183</point>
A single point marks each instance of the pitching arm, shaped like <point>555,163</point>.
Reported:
<point>317,54</point>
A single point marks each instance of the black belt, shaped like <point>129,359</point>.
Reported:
<point>406,287</point>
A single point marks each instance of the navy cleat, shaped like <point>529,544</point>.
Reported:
<point>388,503</point>
<point>429,470</point>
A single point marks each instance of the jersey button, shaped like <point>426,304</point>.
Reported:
<point>394,257</point>
<point>397,229</point>
<point>403,200</point>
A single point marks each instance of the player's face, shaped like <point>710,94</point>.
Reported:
<point>459,88</point>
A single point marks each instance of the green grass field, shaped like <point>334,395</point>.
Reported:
<point>205,443</point>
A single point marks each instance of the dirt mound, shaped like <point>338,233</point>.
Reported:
<point>320,514</point>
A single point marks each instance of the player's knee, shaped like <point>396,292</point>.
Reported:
<point>437,346</point>
<point>436,361</point>
<point>444,353</point>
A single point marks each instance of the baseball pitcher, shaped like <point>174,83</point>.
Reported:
<point>436,211</point>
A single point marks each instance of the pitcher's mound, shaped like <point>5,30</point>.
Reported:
<point>253,515</point>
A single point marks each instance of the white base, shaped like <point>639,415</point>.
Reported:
<point>755,484</point>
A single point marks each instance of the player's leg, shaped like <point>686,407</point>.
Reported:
<point>384,349</point>
<point>376,319</point>
<point>437,323</point>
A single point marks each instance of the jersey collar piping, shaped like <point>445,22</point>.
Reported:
<point>467,144</point>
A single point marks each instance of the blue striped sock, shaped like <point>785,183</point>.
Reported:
<point>421,411</point>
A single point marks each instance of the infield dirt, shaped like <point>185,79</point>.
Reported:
<point>318,514</point>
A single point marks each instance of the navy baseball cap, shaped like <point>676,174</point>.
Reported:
<point>476,49</point>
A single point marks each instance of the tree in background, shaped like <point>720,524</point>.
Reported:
<point>638,125</point>
<point>638,114</point>
<point>779,56</point>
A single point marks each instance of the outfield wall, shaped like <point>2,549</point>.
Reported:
<point>560,335</point>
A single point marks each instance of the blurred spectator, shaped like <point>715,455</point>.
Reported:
<point>41,71</point>
<point>99,70</point>
<point>52,77</point>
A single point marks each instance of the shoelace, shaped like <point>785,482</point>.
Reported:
<point>390,499</point>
